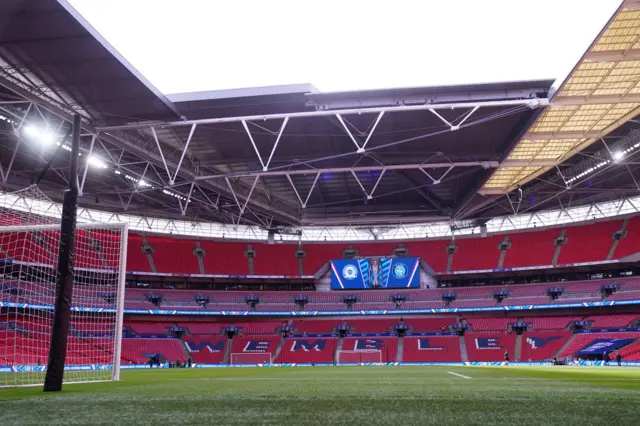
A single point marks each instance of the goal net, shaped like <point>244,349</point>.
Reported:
<point>29,245</point>
<point>252,358</point>
<point>368,356</point>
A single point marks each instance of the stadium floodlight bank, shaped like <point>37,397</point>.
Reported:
<point>250,358</point>
<point>29,252</point>
<point>365,356</point>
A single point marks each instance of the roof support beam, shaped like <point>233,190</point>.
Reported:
<point>295,190</point>
<point>490,164</point>
<point>265,166</point>
<point>172,180</point>
<point>367,194</point>
<point>533,103</point>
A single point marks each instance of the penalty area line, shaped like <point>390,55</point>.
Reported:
<point>459,375</point>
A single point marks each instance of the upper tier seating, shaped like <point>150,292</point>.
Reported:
<point>630,244</point>
<point>526,248</point>
<point>530,248</point>
<point>588,243</point>
<point>174,255</point>
<point>585,243</point>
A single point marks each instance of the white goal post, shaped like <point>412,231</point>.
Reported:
<point>28,262</point>
<point>365,356</point>
<point>250,358</point>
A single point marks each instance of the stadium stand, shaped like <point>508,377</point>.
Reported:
<point>140,350</point>
<point>136,258</point>
<point>585,243</point>
<point>581,340</point>
<point>308,350</point>
<point>275,259</point>
<point>244,345</point>
<point>431,349</point>
<point>550,323</point>
<point>613,321</point>
<point>530,248</point>
<point>630,244</point>
<point>489,346</point>
<point>388,346</point>
<point>224,257</point>
<point>542,345</point>
<point>206,349</point>
<point>477,253</point>
<point>174,255</point>
<point>588,243</point>
<point>433,252</point>
<point>145,327</point>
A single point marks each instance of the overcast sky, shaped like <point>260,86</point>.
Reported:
<point>197,45</point>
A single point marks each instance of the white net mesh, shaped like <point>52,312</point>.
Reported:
<point>29,244</point>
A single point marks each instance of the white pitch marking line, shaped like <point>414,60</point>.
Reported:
<point>459,375</point>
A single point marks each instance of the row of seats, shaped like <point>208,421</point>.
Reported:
<point>521,294</point>
<point>385,325</point>
<point>100,250</point>
<point>479,346</point>
<point>586,243</point>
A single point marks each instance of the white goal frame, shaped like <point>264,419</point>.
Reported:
<point>239,354</point>
<point>359,352</point>
<point>118,303</point>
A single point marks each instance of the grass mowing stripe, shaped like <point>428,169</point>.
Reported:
<point>348,395</point>
<point>459,375</point>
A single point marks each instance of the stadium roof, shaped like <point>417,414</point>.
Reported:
<point>291,156</point>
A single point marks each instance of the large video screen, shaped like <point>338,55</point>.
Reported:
<point>375,273</point>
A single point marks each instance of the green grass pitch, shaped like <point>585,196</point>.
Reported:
<point>345,395</point>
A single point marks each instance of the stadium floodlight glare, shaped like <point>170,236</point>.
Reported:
<point>174,195</point>
<point>45,137</point>
<point>96,162</point>
<point>7,119</point>
<point>618,155</point>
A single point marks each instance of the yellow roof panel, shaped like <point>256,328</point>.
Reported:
<point>578,115</point>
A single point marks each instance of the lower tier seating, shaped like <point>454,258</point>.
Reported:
<point>579,341</point>
<point>140,350</point>
<point>253,350</point>
<point>489,346</point>
<point>431,349</point>
<point>308,350</point>
<point>388,347</point>
<point>542,345</point>
<point>206,349</point>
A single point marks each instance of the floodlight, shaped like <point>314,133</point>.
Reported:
<point>96,162</point>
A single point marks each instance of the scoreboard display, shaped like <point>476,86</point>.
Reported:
<point>374,273</point>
